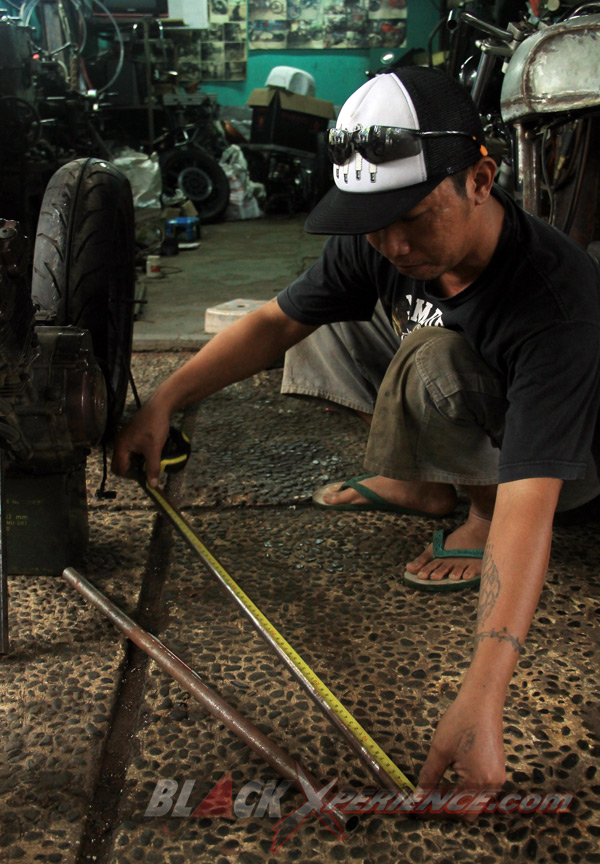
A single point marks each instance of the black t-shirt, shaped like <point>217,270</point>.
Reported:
<point>533,315</point>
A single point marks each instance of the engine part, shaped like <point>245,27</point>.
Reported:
<point>66,414</point>
<point>53,393</point>
<point>18,346</point>
<point>84,268</point>
<point>21,127</point>
<point>16,63</point>
<point>46,520</point>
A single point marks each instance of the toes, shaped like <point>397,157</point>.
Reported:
<point>332,495</point>
<point>457,570</point>
<point>415,567</point>
<point>436,569</point>
<point>471,571</point>
<point>431,569</point>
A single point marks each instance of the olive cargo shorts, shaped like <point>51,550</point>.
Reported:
<point>439,410</point>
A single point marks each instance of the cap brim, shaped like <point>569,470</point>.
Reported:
<point>341,212</point>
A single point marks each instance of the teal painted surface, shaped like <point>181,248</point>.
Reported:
<point>337,73</point>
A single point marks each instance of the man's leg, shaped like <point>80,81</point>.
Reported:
<point>437,423</point>
<point>440,419</point>
<point>343,363</point>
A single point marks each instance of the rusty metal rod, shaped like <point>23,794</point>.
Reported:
<point>169,662</point>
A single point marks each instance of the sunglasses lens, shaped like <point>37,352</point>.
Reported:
<point>385,144</point>
<point>339,146</point>
<point>376,144</point>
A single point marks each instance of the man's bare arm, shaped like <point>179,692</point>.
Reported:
<point>469,735</point>
<point>245,347</point>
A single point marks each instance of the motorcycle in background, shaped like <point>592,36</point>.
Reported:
<point>537,86</point>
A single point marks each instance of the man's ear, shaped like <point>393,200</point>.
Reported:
<point>481,179</point>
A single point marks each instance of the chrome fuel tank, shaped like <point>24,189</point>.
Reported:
<point>555,70</point>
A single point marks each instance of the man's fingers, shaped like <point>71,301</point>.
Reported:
<point>431,773</point>
<point>130,461</point>
<point>121,462</point>
<point>153,468</point>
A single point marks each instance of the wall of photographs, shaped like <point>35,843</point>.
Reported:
<point>220,53</point>
<point>281,24</point>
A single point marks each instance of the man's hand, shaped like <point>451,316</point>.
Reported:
<point>469,735</point>
<point>144,436</point>
<point>468,740</point>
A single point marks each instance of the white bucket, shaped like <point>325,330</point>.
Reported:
<point>153,267</point>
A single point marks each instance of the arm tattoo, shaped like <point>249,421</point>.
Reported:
<point>490,585</point>
<point>502,636</point>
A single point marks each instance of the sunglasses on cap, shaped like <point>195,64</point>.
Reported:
<point>379,144</point>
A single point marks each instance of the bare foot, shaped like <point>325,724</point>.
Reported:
<point>438,499</point>
<point>472,535</point>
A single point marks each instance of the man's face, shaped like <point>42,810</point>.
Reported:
<point>433,238</point>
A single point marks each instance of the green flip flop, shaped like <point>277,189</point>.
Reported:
<point>440,552</point>
<point>374,501</point>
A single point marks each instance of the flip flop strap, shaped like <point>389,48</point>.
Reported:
<point>440,552</point>
<point>369,494</point>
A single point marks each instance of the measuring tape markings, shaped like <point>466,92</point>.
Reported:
<point>334,704</point>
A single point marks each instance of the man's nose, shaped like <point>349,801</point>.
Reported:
<point>390,242</point>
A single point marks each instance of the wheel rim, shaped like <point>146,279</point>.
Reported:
<point>195,183</point>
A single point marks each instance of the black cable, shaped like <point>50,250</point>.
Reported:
<point>577,183</point>
<point>136,397</point>
<point>102,491</point>
<point>546,178</point>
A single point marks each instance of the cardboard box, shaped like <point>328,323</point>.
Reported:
<point>287,119</point>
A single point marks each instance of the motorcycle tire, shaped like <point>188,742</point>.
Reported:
<point>84,266</point>
<point>199,177</point>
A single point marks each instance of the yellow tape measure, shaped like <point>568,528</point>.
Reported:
<point>361,735</point>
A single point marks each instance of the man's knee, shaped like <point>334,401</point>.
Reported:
<point>437,350</point>
<point>437,366</point>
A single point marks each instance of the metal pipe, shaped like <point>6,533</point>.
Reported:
<point>528,168</point>
<point>185,530</point>
<point>169,662</point>
<point>485,69</point>
<point>485,27</point>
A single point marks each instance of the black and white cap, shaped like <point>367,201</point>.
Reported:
<point>366,198</point>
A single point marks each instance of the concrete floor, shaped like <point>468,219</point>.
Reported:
<point>250,260</point>
<point>90,726</point>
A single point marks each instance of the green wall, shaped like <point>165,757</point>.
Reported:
<point>337,73</point>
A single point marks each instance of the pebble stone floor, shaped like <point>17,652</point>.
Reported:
<point>331,583</point>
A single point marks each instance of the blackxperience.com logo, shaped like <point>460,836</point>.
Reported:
<point>262,799</point>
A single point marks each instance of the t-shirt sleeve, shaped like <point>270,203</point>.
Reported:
<point>554,397</point>
<point>336,288</point>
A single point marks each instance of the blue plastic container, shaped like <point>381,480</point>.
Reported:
<point>188,226</point>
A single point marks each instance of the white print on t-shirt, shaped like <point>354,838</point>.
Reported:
<point>422,314</point>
